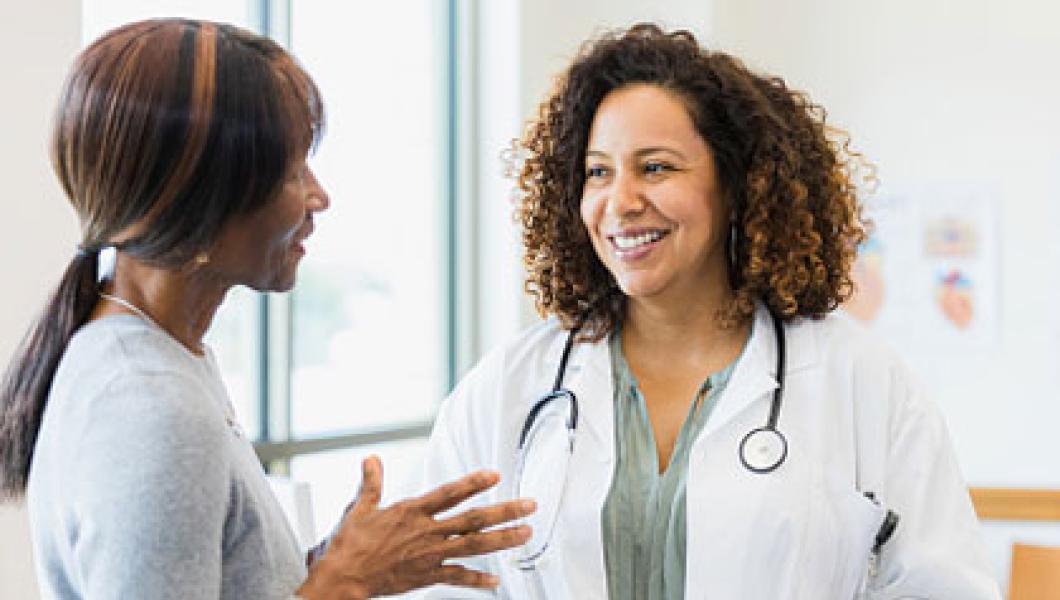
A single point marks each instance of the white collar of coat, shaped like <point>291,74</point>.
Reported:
<point>589,374</point>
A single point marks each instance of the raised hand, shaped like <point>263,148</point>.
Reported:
<point>404,547</point>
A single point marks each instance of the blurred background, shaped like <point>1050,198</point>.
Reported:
<point>414,273</point>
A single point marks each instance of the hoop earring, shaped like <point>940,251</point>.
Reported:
<point>201,260</point>
<point>732,245</point>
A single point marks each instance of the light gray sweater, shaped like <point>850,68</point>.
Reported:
<point>140,489</point>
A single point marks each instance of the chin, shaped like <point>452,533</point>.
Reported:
<point>278,283</point>
<point>286,282</point>
<point>638,287</point>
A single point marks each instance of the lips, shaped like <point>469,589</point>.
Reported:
<point>630,244</point>
<point>299,242</point>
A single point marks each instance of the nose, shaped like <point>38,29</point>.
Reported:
<point>626,196</point>
<point>317,198</point>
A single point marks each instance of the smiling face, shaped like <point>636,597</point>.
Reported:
<point>652,201</point>
<point>262,250</point>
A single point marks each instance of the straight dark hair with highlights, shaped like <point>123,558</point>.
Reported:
<point>166,130</point>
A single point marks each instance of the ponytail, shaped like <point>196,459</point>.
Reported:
<point>28,379</point>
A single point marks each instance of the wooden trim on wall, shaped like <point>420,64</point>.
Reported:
<point>1012,504</point>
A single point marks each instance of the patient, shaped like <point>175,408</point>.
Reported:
<point>182,147</point>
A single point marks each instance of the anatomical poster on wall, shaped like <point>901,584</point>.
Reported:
<point>927,277</point>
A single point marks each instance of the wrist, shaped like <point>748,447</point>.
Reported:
<point>325,582</point>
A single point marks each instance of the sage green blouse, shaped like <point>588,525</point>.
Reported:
<point>644,514</point>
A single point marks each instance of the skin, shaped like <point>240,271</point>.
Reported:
<point>261,251</point>
<point>649,171</point>
<point>375,551</point>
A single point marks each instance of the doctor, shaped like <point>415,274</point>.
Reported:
<point>694,420</point>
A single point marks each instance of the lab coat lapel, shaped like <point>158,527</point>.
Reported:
<point>593,385</point>
<point>589,479</point>
<point>753,376</point>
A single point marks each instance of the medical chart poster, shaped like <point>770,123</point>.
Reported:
<point>927,277</point>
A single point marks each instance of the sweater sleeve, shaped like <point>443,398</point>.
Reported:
<point>152,492</point>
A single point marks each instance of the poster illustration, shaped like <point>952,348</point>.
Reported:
<point>927,277</point>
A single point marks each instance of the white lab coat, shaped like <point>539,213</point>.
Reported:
<point>854,419</point>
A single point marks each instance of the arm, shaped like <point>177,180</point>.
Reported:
<point>152,490</point>
<point>937,550</point>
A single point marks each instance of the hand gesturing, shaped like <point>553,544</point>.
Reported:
<point>403,547</point>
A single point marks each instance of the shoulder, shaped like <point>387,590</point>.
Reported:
<point>498,385</point>
<point>523,355</point>
<point>839,341</point>
<point>123,380</point>
<point>120,343</point>
<point>878,378</point>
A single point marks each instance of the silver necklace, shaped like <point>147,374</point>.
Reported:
<point>229,410</point>
<point>129,305</point>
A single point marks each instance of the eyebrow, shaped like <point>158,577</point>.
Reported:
<point>641,152</point>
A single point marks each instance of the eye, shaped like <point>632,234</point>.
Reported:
<point>595,171</point>
<point>657,168</point>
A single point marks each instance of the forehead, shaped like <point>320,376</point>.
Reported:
<point>642,115</point>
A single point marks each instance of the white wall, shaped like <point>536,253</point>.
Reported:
<point>37,41</point>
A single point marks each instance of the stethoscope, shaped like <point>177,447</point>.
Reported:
<point>762,450</point>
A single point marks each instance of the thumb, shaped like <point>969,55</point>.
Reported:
<point>371,491</point>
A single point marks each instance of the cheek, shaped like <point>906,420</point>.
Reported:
<point>589,208</point>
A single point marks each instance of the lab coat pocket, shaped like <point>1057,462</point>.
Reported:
<point>840,533</point>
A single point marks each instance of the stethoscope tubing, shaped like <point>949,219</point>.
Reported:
<point>770,431</point>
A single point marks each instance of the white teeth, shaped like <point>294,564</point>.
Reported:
<point>624,242</point>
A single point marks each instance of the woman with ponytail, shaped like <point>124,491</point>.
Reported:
<point>182,147</point>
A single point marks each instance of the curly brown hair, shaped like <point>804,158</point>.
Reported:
<point>789,178</point>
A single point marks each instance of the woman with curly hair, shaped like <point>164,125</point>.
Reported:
<point>713,429</point>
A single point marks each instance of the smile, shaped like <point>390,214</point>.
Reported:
<point>633,241</point>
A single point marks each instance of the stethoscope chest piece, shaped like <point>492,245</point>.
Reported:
<point>763,450</point>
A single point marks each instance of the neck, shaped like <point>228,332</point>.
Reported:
<point>182,302</point>
<point>686,325</point>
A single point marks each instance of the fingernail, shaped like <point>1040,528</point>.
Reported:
<point>528,506</point>
<point>525,531</point>
<point>492,580</point>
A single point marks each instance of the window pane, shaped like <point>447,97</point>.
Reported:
<point>369,308</point>
<point>334,477</point>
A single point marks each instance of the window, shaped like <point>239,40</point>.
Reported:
<point>369,310</point>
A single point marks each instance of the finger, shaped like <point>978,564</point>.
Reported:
<point>451,494</point>
<point>482,518</point>
<point>474,544</point>
<point>464,577</point>
<point>371,491</point>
